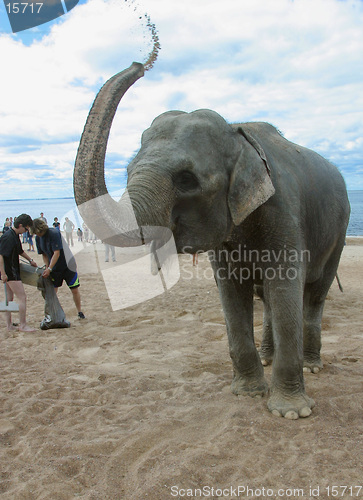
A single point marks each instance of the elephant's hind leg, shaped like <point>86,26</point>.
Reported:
<point>267,345</point>
<point>314,300</point>
<point>313,312</point>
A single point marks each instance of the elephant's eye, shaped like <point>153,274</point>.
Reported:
<point>186,181</point>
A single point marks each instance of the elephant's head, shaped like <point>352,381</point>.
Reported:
<point>194,174</point>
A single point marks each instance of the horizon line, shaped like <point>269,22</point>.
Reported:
<point>41,199</point>
<point>72,197</point>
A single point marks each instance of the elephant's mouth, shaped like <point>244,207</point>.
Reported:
<point>189,246</point>
<point>189,239</point>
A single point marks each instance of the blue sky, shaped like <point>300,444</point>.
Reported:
<point>297,64</point>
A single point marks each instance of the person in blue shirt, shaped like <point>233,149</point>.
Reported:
<point>58,259</point>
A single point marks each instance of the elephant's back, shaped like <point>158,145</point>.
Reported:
<point>298,169</point>
<point>311,196</point>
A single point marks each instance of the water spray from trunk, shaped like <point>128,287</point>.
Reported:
<point>152,56</point>
<point>156,47</point>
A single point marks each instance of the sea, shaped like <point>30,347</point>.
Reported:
<point>66,207</point>
<point>55,207</point>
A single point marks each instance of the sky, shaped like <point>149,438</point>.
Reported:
<point>297,64</point>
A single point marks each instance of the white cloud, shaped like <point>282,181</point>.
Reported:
<point>295,63</point>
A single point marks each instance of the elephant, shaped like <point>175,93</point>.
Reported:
<point>271,214</point>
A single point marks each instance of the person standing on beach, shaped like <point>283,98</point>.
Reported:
<point>109,248</point>
<point>56,223</point>
<point>58,268</point>
<point>30,242</point>
<point>10,249</point>
<point>68,227</point>
<point>43,218</point>
<point>7,226</point>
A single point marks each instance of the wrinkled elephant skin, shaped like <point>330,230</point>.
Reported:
<point>273,216</point>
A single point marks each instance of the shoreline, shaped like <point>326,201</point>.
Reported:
<point>354,240</point>
<point>355,237</point>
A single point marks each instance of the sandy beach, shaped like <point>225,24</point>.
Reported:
<point>136,404</point>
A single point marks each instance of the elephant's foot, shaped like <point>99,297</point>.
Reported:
<point>242,386</point>
<point>291,407</point>
<point>313,365</point>
<point>266,357</point>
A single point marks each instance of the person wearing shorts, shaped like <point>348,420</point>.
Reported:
<point>10,250</point>
<point>58,259</point>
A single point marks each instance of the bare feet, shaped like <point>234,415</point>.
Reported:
<point>12,328</point>
<point>26,329</point>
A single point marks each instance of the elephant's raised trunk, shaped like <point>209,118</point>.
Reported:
<point>108,219</point>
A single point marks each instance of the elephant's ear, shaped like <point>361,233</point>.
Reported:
<point>250,184</point>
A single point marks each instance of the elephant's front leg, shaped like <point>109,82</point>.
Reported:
<point>237,301</point>
<point>288,396</point>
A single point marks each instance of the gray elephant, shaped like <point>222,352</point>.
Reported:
<point>273,216</point>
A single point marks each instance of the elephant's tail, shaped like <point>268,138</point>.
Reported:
<point>339,283</point>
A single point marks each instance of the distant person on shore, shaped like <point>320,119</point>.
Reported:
<point>56,223</point>
<point>108,249</point>
<point>30,242</point>
<point>51,246</point>
<point>43,218</point>
<point>80,234</point>
<point>68,227</point>
<point>85,232</point>
<point>10,249</point>
<point>7,225</point>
